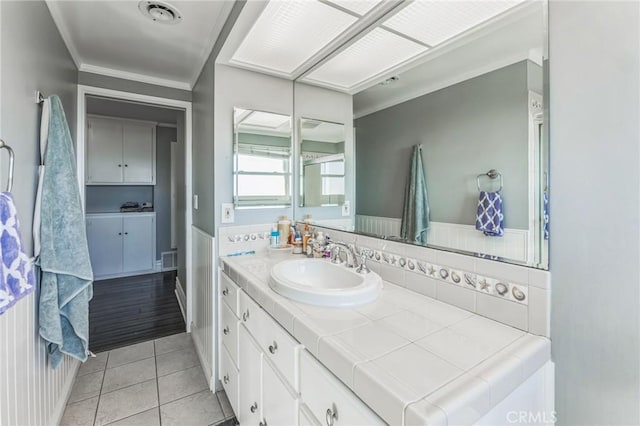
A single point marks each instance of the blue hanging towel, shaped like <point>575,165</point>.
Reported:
<point>415,212</point>
<point>489,216</point>
<point>17,278</point>
<point>61,242</point>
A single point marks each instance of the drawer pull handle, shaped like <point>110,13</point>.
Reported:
<point>226,330</point>
<point>263,422</point>
<point>254,407</point>
<point>225,379</point>
<point>331,416</point>
<point>245,316</point>
<point>273,348</point>
<point>225,292</point>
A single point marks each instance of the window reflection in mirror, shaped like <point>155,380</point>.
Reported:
<point>322,163</point>
<point>262,158</point>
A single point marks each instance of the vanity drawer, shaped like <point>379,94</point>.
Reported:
<point>229,377</point>
<point>276,343</point>
<point>229,293</point>
<point>324,395</point>
<point>229,331</point>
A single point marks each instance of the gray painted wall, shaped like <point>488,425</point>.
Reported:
<point>97,80</point>
<point>203,161</point>
<point>595,312</point>
<point>33,56</point>
<point>162,190</point>
<point>466,129</point>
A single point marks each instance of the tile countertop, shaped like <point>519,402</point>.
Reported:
<point>409,357</point>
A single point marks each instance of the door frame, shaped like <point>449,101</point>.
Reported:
<point>83,92</point>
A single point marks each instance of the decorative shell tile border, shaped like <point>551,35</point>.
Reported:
<point>253,236</point>
<point>514,292</point>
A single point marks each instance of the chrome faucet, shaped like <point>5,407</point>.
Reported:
<point>352,261</point>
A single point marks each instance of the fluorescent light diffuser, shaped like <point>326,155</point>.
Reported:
<point>361,7</point>
<point>266,120</point>
<point>378,51</point>
<point>435,21</point>
<point>288,33</point>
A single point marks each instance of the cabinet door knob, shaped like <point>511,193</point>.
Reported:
<point>331,416</point>
<point>225,292</point>
<point>273,348</point>
<point>225,379</point>
<point>245,316</point>
<point>119,233</point>
<point>126,165</point>
<point>254,407</point>
<point>226,330</point>
<point>119,165</point>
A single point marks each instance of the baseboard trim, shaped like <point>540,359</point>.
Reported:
<point>58,412</point>
<point>182,298</point>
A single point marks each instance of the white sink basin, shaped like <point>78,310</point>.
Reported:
<point>319,282</point>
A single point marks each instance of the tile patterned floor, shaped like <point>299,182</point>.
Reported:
<point>154,383</point>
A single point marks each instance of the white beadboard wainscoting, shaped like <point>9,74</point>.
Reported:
<point>202,327</point>
<point>31,392</point>
<point>513,245</point>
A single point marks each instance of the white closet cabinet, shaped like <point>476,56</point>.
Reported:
<point>121,244</point>
<point>120,152</point>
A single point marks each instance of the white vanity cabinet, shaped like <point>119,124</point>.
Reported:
<point>120,152</point>
<point>270,378</point>
<point>121,244</point>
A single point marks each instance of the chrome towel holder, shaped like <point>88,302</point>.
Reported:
<point>3,145</point>
<point>491,174</point>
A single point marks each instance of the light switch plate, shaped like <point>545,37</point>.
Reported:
<point>195,201</point>
<point>227,213</point>
<point>346,208</point>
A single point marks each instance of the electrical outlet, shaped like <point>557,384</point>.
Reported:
<point>195,201</point>
<point>227,213</point>
<point>346,208</point>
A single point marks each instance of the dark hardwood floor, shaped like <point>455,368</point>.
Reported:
<point>129,310</point>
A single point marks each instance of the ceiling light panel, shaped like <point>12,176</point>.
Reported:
<point>378,51</point>
<point>361,7</point>
<point>288,33</point>
<point>266,119</point>
<point>435,21</point>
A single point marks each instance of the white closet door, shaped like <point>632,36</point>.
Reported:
<point>104,235</point>
<point>139,243</point>
<point>139,153</point>
<point>104,151</point>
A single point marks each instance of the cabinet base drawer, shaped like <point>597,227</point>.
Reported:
<point>328,399</point>
<point>229,293</point>
<point>229,376</point>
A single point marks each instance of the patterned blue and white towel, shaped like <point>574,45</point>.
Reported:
<point>17,278</point>
<point>545,214</point>
<point>489,216</point>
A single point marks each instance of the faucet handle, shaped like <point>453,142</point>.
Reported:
<point>335,254</point>
<point>362,267</point>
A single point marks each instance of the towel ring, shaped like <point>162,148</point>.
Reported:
<point>3,145</point>
<point>491,174</point>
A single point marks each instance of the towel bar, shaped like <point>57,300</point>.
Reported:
<point>3,145</point>
<point>492,174</point>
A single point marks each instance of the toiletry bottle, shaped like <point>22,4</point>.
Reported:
<point>297,246</point>
<point>318,247</point>
<point>284,227</point>
<point>305,237</point>
<point>275,237</point>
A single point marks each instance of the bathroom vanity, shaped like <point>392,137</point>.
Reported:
<point>404,359</point>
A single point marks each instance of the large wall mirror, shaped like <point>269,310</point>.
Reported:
<point>322,163</point>
<point>452,152</point>
<point>262,160</point>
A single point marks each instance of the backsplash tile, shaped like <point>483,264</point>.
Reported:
<point>515,295</point>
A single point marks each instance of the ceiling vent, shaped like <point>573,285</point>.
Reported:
<point>160,12</point>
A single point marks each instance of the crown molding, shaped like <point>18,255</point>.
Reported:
<point>126,75</point>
